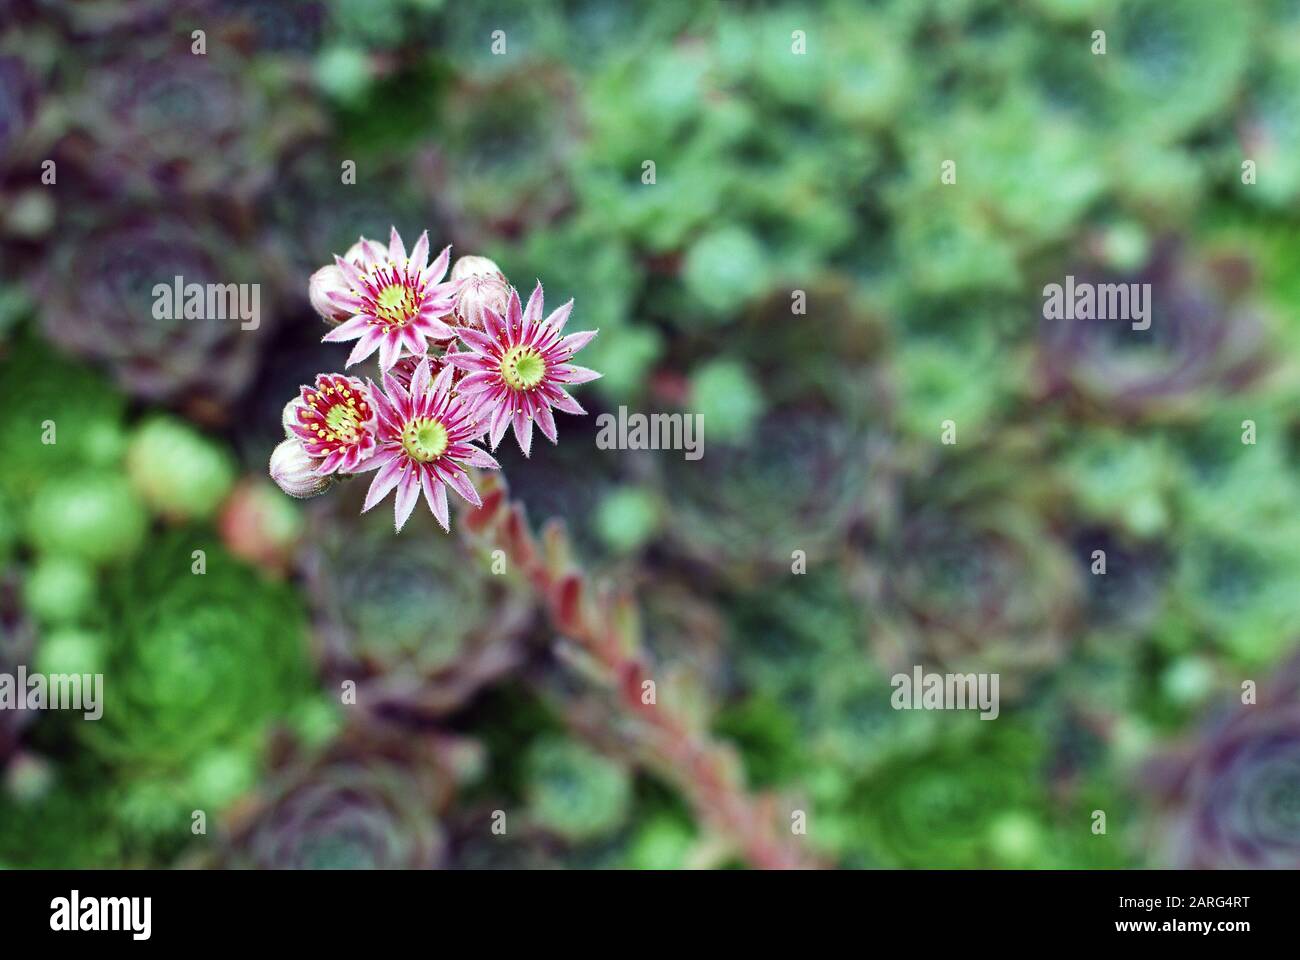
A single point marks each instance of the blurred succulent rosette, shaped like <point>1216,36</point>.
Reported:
<point>260,527</point>
<point>507,183</point>
<point>418,623</point>
<point>967,577</point>
<point>27,131</point>
<point>366,802</point>
<point>203,655</point>
<point>179,473</point>
<point>1228,796</point>
<point>747,509</point>
<point>1205,336</point>
<point>148,96</point>
<point>575,792</point>
<point>49,390</point>
<point>975,798</point>
<point>110,294</point>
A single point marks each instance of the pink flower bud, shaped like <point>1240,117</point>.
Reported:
<point>484,286</point>
<point>328,279</point>
<point>289,417</point>
<point>295,473</point>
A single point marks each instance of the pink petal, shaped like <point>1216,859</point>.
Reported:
<point>475,457</point>
<point>572,373</point>
<point>435,494</point>
<point>558,318</point>
<point>533,312</point>
<point>576,341</point>
<point>443,384</point>
<point>384,481</point>
<point>523,431</point>
<point>387,413</point>
<point>494,326</point>
<point>351,302</point>
<point>478,382</point>
<point>390,348</point>
<point>408,493</point>
<point>420,255</point>
<point>330,463</point>
<point>373,463</point>
<point>514,316</point>
<point>434,328</point>
<point>562,401</point>
<point>438,269</point>
<point>500,420</point>
<point>348,330</point>
<point>398,397</point>
<point>459,482</point>
<point>372,251</point>
<point>413,340</point>
<point>367,345</point>
<point>350,273</point>
<point>476,340</point>
<point>396,249</point>
<point>468,361</point>
<point>421,378</point>
<point>546,422</point>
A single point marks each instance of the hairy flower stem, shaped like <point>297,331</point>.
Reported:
<point>602,632</point>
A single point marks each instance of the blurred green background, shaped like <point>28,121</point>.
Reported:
<point>784,175</point>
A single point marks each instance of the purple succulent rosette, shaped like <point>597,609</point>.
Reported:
<point>1202,337</point>
<point>1229,798</point>
<point>369,803</point>
<point>99,302</point>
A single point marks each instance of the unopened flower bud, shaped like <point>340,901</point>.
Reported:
<point>485,286</point>
<point>328,279</point>
<point>289,417</point>
<point>295,473</point>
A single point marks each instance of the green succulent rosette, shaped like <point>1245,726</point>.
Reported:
<point>202,653</point>
<point>745,511</point>
<point>979,798</point>
<point>90,516</point>
<point>967,576</point>
<point>575,792</point>
<point>1197,53</point>
<point>49,397</point>
<point>814,706</point>
<point>419,623</point>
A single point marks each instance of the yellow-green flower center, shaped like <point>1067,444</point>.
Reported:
<point>523,368</point>
<point>343,420</point>
<point>395,304</point>
<point>424,439</point>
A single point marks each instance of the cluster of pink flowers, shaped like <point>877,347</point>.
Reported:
<point>460,361</point>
